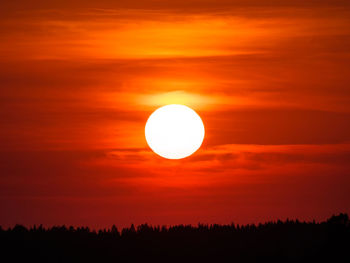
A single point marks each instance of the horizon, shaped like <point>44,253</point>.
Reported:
<point>167,227</point>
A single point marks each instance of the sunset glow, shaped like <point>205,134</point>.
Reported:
<point>79,80</point>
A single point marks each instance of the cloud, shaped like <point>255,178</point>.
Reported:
<point>277,126</point>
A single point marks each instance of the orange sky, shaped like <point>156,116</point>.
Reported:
<point>79,79</point>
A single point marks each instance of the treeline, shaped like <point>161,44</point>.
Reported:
<point>287,241</point>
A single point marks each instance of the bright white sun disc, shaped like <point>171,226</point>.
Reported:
<point>174,131</point>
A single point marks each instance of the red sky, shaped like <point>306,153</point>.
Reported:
<point>78,80</point>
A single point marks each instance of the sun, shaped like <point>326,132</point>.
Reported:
<point>174,131</point>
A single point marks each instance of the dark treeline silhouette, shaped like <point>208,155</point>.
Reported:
<point>287,241</point>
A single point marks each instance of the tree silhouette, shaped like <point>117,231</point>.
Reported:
<point>287,241</point>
